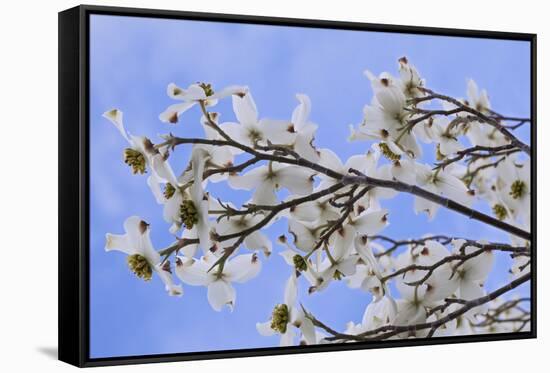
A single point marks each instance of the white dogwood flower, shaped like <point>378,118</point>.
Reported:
<point>235,224</point>
<point>476,99</point>
<point>142,259</point>
<point>195,93</point>
<point>304,129</point>
<point>387,118</point>
<point>250,130</point>
<point>221,292</point>
<point>267,179</point>
<point>286,315</point>
<point>471,275</point>
<point>411,82</point>
<point>443,183</point>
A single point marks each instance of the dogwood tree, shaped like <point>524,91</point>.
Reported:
<point>425,286</point>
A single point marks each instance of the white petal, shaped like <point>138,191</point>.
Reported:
<point>291,291</point>
<point>171,114</point>
<point>472,92</point>
<point>175,92</point>
<point>404,170</point>
<point>115,116</point>
<point>423,205</point>
<point>300,114</point>
<point>479,267</point>
<point>195,92</point>
<point>245,109</point>
<point>343,242</point>
<point>154,185</point>
<point>347,266</point>
<point>308,331</point>
<point>258,241</point>
<point>249,180</point>
<point>287,339</point>
<point>303,146</point>
<point>137,233</point>
<point>265,194</point>
<point>166,277</point>
<point>264,328</point>
<point>243,268</point>
<point>162,169</point>
<point>304,235</point>
<point>221,293</point>
<point>371,223</point>
<point>277,131</point>
<point>118,242</point>
<point>296,180</point>
<point>307,212</point>
<point>235,90</point>
<point>330,160</point>
<point>239,133</point>
<point>192,272</point>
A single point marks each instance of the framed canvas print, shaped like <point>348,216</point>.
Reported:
<point>234,186</point>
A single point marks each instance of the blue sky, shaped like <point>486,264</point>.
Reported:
<point>132,60</point>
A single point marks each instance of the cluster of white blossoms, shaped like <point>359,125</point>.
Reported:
<point>422,287</point>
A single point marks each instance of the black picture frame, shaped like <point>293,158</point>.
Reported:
<point>74,191</point>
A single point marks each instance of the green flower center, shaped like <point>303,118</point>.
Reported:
<point>518,189</point>
<point>134,159</point>
<point>207,88</point>
<point>140,266</point>
<point>254,136</point>
<point>280,318</point>
<point>169,191</point>
<point>500,211</point>
<point>338,275</point>
<point>388,153</point>
<point>188,214</point>
<point>299,263</point>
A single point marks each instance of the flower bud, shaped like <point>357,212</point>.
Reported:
<point>517,189</point>
<point>299,263</point>
<point>134,159</point>
<point>188,214</point>
<point>140,266</point>
<point>500,211</point>
<point>169,191</point>
<point>388,153</point>
<point>280,318</point>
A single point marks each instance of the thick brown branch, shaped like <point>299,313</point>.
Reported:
<point>388,331</point>
<point>448,203</point>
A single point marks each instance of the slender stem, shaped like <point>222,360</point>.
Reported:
<point>487,119</point>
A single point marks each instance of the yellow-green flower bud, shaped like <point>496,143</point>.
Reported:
<point>280,318</point>
<point>388,153</point>
<point>338,275</point>
<point>169,191</point>
<point>207,88</point>
<point>134,159</point>
<point>299,263</point>
<point>188,214</point>
<point>518,189</point>
<point>140,266</point>
<point>500,211</point>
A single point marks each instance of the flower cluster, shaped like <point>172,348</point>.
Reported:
<point>334,208</point>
